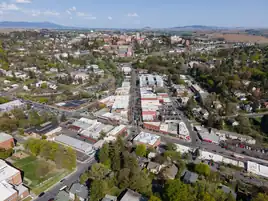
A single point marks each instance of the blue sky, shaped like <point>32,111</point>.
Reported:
<point>138,13</point>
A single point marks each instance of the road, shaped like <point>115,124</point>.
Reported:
<point>69,180</point>
<point>250,115</point>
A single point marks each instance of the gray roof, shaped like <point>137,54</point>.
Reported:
<point>153,165</point>
<point>79,190</point>
<point>131,195</point>
<point>228,190</point>
<point>62,196</point>
<point>190,177</point>
<point>109,198</point>
<point>171,171</point>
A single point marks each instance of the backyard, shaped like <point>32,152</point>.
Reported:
<point>39,174</point>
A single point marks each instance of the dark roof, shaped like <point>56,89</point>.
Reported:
<point>228,190</point>
<point>43,129</point>
<point>190,177</point>
<point>79,190</point>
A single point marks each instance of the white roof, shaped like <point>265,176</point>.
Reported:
<point>257,169</point>
<point>121,102</point>
<point>116,130</point>
<point>77,144</point>
<point>6,190</point>
<point>147,138</point>
<point>4,137</point>
<point>6,171</point>
<point>10,105</point>
<point>183,130</point>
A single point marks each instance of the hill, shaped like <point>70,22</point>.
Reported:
<point>31,25</point>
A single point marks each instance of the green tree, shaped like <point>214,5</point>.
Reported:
<point>154,198</point>
<point>98,171</point>
<point>171,147</point>
<point>261,197</point>
<point>5,153</point>
<point>84,177</point>
<point>104,155</point>
<point>98,189</point>
<point>264,124</point>
<point>140,150</point>
<point>175,190</point>
<point>203,169</point>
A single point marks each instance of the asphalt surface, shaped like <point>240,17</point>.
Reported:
<point>68,181</point>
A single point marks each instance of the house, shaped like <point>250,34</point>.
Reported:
<point>6,141</point>
<point>131,195</point>
<point>190,177</point>
<point>151,155</point>
<point>154,167</point>
<point>62,196</point>
<point>228,190</point>
<point>80,191</point>
<point>109,198</point>
<point>142,162</point>
<point>171,172</point>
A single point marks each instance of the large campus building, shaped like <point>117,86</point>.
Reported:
<point>11,187</point>
<point>6,141</point>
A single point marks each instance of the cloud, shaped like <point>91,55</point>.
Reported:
<point>90,18</point>
<point>35,13</point>
<point>70,11</point>
<point>110,18</point>
<point>51,13</point>
<point>81,14</point>
<point>5,6</point>
<point>23,1</point>
<point>132,15</point>
<point>73,8</point>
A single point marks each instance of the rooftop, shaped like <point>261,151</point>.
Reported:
<point>79,190</point>
<point>147,138</point>
<point>6,190</point>
<point>6,171</point>
<point>4,137</point>
<point>116,130</point>
<point>131,195</point>
<point>77,144</point>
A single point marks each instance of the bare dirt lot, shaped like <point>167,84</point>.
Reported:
<point>241,38</point>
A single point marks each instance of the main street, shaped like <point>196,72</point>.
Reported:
<point>67,181</point>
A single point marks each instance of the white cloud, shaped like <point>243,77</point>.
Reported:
<point>73,8</point>
<point>91,18</point>
<point>5,6</point>
<point>132,15</point>
<point>81,14</point>
<point>110,18</point>
<point>68,12</point>
<point>23,1</point>
<point>51,13</point>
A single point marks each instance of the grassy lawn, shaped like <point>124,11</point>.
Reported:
<point>39,174</point>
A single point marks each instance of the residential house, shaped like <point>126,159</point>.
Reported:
<point>171,172</point>
<point>228,190</point>
<point>78,191</point>
<point>190,177</point>
<point>154,167</point>
<point>62,196</point>
<point>109,198</point>
<point>142,162</point>
<point>6,141</point>
<point>131,195</point>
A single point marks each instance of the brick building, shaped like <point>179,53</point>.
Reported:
<point>11,186</point>
<point>6,141</point>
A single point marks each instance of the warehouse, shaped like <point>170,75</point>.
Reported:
<point>76,144</point>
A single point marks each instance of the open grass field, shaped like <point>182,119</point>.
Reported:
<point>39,174</point>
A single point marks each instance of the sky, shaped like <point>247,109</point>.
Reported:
<point>138,13</point>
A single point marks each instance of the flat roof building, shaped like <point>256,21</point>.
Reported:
<point>76,144</point>
<point>6,107</point>
<point>6,141</point>
<point>147,139</point>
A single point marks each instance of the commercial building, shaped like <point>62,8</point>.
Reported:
<point>206,135</point>
<point>117,131</point>
<point>6,107</point>
<point>46,129</point>
<point>6,141</point>
<point>79,145</point>
<point>120,103</point>
<point>147,139</point>
<point>151,80</point>
<point>11,186</point>
<point>257,169</point>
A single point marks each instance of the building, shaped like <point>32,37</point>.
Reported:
<point>151,80</point>
<point>47,129</point>
<point>257,169</point>
<point>120,103</point>
<point>76,144</point>
<point>80,191</point>
<point>171,172</point>
<point>109,198</point>
<point>190,177</point>
<point>11,186</point>
<point>6,141</point>
<point>154,167</point>
<point>131,195</point>
<point>206,135</point>
<point>62,196</point>
<point>7,107</point>
<point>153,126</point>
<point>147,139</point>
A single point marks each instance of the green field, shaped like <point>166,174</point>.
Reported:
<point>39,174</point>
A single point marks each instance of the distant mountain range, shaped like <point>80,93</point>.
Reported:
<point>32,25</point>
<point>50,25</point>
